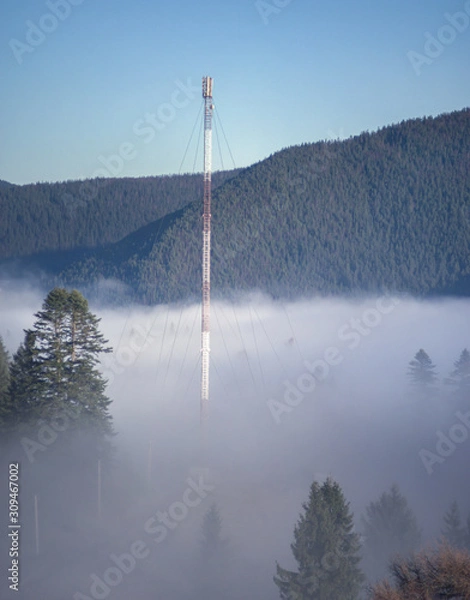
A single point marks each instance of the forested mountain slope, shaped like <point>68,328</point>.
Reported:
<point>385,210</point>
<point>388,210</point>
<point>48,217</point>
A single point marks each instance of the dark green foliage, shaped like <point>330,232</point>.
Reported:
<point>389,528</point>
<point>58,417</point>
<point>4,384</point>
<point>460,376</point>
<point>27,398</point>
<point>55,370</point>
<point>422,372</point>
<point>453,531</point>
<point>381,211</point>
<point>48,217</point>
<point>325,549</point>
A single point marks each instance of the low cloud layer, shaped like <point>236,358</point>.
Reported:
<point>299,391</point>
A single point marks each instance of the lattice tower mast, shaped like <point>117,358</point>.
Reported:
<point>206,247</point>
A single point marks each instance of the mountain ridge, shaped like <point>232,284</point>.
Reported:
<point>388,210</point>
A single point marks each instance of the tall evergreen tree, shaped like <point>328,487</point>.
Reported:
<point>453,531</point>
<point>211,539</point>
<point>389,528</point>
<point>460,376</point>
<point>326,550</point>
<point>214,578</point>
<point>422,373</point>
<point>27,403</point>
<point>55,369</point>
<point>4,384</point>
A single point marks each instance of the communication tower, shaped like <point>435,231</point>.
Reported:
<point>206,247</point>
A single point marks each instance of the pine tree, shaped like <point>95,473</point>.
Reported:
<point>55,370</point>
<point>214,576</point>
<point>325,548</point>
<point>422,373</point>
<point>389,528</point>
<point>454,532</point>
<point>27,404</point>
<point>211,541</point>
<point>460,376</point>
<point>4,385</point>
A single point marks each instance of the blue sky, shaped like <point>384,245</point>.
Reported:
<point>78,89</point>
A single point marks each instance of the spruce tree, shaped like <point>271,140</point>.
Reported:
<point>460,376</point>
<point>389,528</point>
<point>214,573</point>
<point>26,389</point>
<point>325,548</point>
<point>453,531</point>
<point>211,541</point>
<point>4,385</point>
<point>422,373</point>
<point>55,370</point>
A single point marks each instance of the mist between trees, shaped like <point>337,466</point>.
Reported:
<point>363,428</point>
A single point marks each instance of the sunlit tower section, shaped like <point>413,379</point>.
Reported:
<point>206,248</point>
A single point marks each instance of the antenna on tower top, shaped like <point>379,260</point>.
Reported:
<point>206,247</point>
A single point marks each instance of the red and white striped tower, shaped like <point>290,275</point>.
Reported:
<point>206,248</point>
